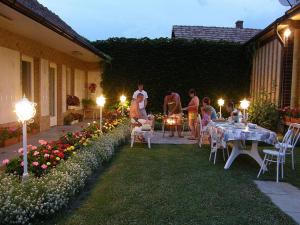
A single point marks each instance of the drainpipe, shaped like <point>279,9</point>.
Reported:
<point>278,35</point>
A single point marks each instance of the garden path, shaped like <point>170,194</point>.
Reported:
<point>53,134</point>
<point>159,138</point>
<point>285,196</point>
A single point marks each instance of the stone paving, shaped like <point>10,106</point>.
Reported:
<point>52,134</point>
<point>159,138</point>
<point>285,196</point>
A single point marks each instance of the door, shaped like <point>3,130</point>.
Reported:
<point>53,95</point>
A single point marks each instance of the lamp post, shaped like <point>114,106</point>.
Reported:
<point>221,104</point>
<point>25,111</point>
<point>100,102</point>
<point>245,105</point>
<point>123,101</point>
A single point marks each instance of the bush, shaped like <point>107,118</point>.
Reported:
<point>214,69</point>
<point>20,203</point>
<point>264,113</point>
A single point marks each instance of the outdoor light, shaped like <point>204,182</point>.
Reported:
<point>100,102</point>
<point>287,33</point>
<point>171,121</point>
<point>25,111</point>
<point>123,102</point>
<point>245,105</point>
<point>221,103</point>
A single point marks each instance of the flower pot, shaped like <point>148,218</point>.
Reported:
<point>34,131</point>
<point>287,119</point>
<point>11,141</point>
<point>74,122</point>
<point>72,107</point>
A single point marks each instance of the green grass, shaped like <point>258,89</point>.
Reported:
<point>176,185</point>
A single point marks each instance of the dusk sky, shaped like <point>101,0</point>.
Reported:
<point>102,19</point>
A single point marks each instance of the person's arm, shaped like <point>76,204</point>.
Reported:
<point>145,99</point>
<point>165,106</point>
<point>134,95</point>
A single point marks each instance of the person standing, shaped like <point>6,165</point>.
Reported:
<point>142,104</point>
<point>193,108</point>
<point>173,109</point>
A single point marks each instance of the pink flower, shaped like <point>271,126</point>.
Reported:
<point>33,148</point>
<point>5,161</point>
<point>35,163</point>
<point>43,142</point>
<point>20,151</point>
<point>36,153</point>
<point>49,147</point>
<point>44,166</point>
<point>22,163</point>
<point>55,151</point>
<point>46,156</point>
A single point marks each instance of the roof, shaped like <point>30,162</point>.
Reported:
<point>289,13</point>
<point>44,16</point>
<point>238,35</point>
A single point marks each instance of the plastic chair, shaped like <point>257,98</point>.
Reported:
<point>279,156</point>
<point>291,143</point>
<point>217,144</point>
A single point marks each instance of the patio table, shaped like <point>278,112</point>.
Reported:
<point>237,133</point>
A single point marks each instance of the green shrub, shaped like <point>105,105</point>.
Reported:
<point>264,113</point>
<point>214,69</point>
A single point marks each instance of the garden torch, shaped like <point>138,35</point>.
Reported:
<point>25,111</point>
<point>123,102</point>
<point>100,102</point>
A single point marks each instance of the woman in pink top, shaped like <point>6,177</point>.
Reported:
<point>192,109</point>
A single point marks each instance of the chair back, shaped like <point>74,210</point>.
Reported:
<point>295,134</point>
<point>286,141</point>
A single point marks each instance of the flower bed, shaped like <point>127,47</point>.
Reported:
<point>20,202</point>
<point>290,115</point>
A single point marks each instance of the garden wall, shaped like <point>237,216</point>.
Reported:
<point>215,69</point>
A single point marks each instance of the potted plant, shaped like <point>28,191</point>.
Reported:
<point>33,128</point>
<point>88,103</point>
<point>68,119</point>
<point>11,135</point>
<point>73,102</point>
<point>92,87</point>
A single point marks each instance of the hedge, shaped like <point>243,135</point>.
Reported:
<point>21,203</point>
<point>213,68</point>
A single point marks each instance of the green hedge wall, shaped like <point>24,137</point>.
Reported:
<point>214,69</point>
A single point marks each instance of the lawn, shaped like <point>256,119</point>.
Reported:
<point>174,184</point>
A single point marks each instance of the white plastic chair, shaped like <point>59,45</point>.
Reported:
<point>291,143</point>
<point>279,156</point>
<point>201,131</point>
<point>217,144</point>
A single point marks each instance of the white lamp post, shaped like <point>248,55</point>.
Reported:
<point>245,105</point>
<point>123,101</point>
<point>100,102</point>
<point>25,111</point>
<point>221,104</point>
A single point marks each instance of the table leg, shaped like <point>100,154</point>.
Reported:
<point>236,151</point>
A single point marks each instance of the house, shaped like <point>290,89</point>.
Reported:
<point>276,60</point>
<point>237,34</point>
<point>45,59</point>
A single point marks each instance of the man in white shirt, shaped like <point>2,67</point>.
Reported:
<point>142,104</point>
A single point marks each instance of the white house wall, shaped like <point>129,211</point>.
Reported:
<point>95,77</point>
<point>10,83</point>
<point>44,87</point>
<point>79,86</point>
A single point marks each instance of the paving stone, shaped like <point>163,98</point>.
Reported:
<point>285,196</point>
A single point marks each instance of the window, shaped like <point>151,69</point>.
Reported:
<point>26,79</point>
